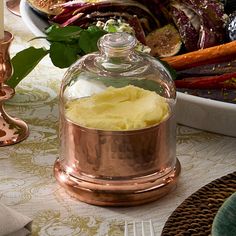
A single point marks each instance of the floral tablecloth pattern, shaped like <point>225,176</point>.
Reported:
<point>27,183</point>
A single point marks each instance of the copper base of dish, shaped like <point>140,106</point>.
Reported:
<point>123,193</point>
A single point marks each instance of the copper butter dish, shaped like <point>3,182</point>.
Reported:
<point>117,126</point>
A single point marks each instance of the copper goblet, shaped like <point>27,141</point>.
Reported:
<point>12,130</point>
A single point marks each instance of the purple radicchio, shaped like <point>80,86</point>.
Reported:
<point>200,23</point>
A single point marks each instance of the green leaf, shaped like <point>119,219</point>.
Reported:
<point>66,34</point>
<point>89,38</point>
<point>63,55</point>
<point>24,62</point>
<point>64,50</point>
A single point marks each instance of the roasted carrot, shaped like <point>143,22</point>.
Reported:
<point>220,53</point>
<point>208,70</point>
<point>227,81</point>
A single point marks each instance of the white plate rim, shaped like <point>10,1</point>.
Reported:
<point>27,15</point>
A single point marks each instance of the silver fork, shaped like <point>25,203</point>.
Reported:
<point>142,228</point>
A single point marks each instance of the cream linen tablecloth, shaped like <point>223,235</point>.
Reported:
<point>26,175</point>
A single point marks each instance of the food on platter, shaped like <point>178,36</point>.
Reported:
<point>199,24</point>
<point>157,39</point>
<point>227,81</point>
<point>219,53</point>
<point>231,26</point>
<point>46,7</point>
<point>202,41</point>
<point>208,109</point>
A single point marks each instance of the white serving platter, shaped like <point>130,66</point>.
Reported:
<point>33,21</point>
<point>201,113</point>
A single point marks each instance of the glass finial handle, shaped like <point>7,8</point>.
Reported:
<point>117,52</point>
<point>118,41</point>
<point>12,130</point>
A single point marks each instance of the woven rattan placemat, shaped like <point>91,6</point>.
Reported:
<point>194,217</point>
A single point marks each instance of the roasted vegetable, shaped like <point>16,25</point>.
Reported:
<point>208,82</point>
<point>212,31</point>
<point>231,27</point>
<point>46,7</point>
<point>160,9</point>
<point>87,14</point>
<point>201,24</point>
<point>216,54</point>
<point>164,42</point>
<point>209,69</point>
<point>225,95</point>
<point>188,24</point>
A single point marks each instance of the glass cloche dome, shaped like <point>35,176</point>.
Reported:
<point>117,126</point>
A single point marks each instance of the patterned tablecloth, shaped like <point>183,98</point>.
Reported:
<point>27,183</point>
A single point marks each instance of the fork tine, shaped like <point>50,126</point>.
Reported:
<point>151,228</point>
<point>134,228</point>
<point>143,231</point>
<point>126,229</point>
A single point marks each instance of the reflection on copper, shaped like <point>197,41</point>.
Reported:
<point>117,168</point>
<point>12,130</point>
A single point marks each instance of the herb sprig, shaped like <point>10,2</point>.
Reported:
<point>67,44</point>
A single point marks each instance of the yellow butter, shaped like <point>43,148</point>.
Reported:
<point>126,108</point>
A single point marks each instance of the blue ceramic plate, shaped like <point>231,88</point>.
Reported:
<point>224,223</point>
